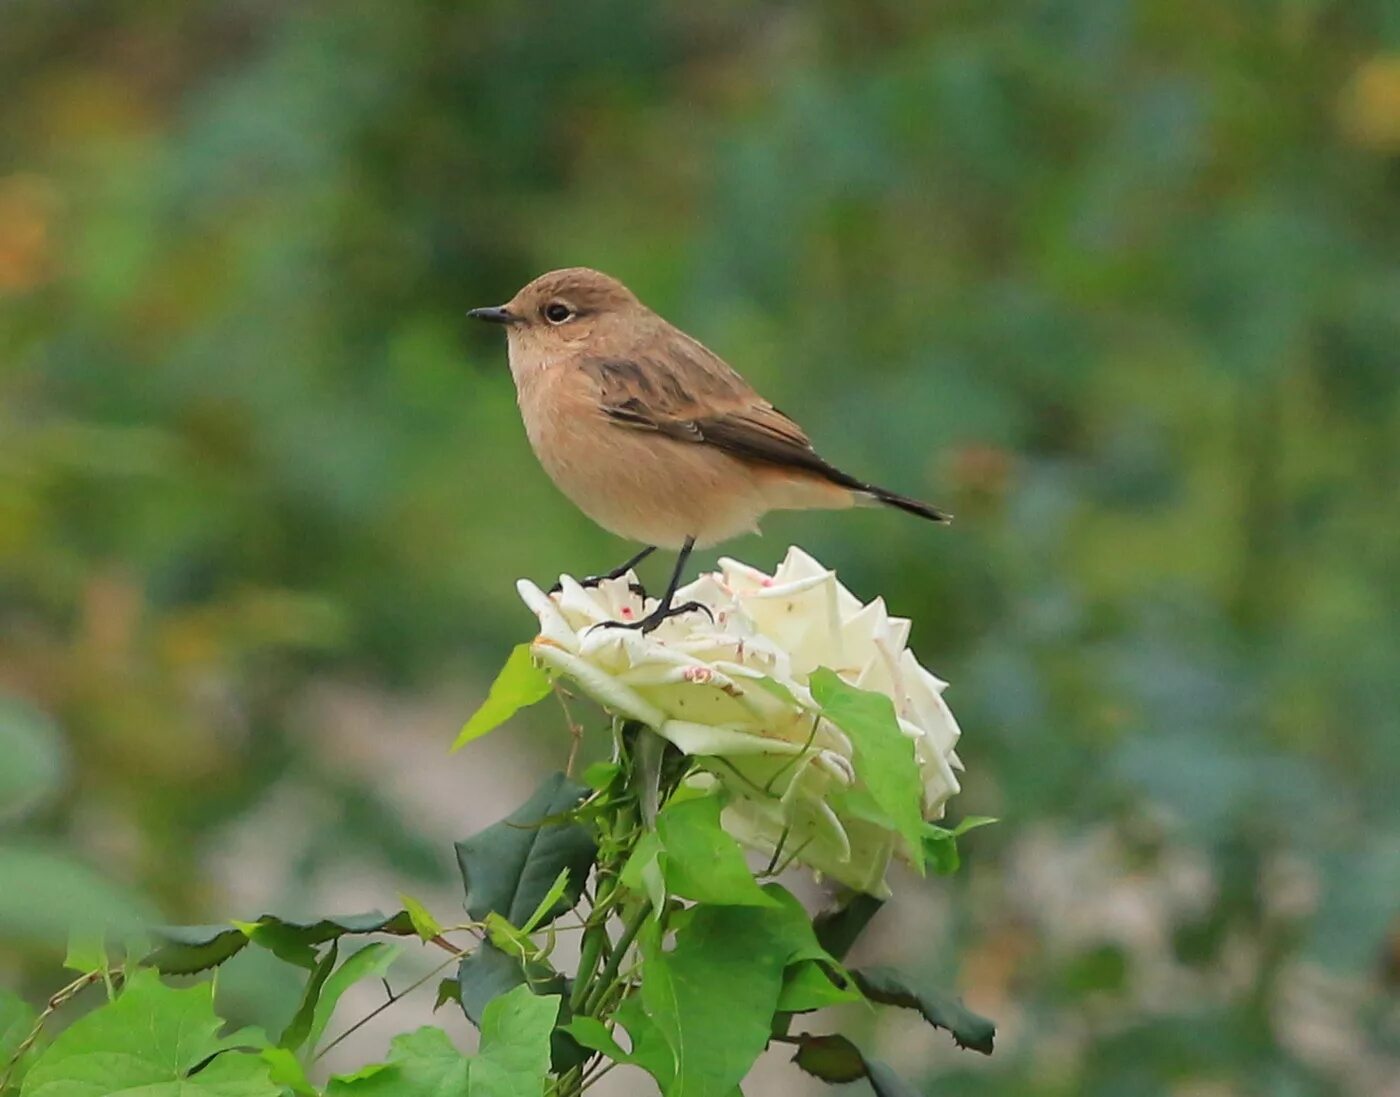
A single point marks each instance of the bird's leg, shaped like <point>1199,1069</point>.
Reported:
<point>616,573</point>
<point>665,609</point>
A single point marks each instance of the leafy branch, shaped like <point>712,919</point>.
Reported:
<point>689,965</point>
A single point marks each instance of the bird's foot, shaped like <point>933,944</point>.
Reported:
<point>653,620</point>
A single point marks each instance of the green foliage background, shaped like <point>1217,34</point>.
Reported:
<point>1118,283</point>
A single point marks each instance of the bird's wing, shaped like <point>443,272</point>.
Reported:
<point>691,395</point>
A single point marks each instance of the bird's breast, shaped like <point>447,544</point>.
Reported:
<point>637,484</point>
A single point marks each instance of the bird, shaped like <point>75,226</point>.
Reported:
<point>653,435</point>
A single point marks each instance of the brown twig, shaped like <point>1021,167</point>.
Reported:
<point>372,1014</point>
<point>575,728</point>
<point>54,1004</point>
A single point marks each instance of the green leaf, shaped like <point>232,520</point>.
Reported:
<point>835,1059</point>
<point>424,924</point>
<point>32,748</point>
<point>885,1082</point>
<point>714,1030</point>
<point>972,822</point>
<point>448,990</point>
<point>594,1035</point>
<point>299,1027</point>
<point>939,1008</point>
<point>519,685</point>
<point>837,929</point>
<point>600,775</point>
<point>509,939</point>
<point>548,902</point>
<point>510,866</point>
<point>421,1064</point>
<point>148,1042</point>
<point>700,860</point>
<point>650,1051</point>
<point>183,950</point>
<point>831,1058</point>
<point>941,844</point>
<point>87,949</point>
<point>941,853</point>
<point>642,872</point>
<point>17,1019</point>
<point>374,959</point>
<point>808,986</point>
<point>513,1059</point>
<point>284,1068</point>
<point>47,892</point>
<point>884,755</point>
<point>489,973</point>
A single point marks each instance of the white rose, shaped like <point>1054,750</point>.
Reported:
<point>734,693</point>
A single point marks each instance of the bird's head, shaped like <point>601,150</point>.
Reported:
<point>566,311</point>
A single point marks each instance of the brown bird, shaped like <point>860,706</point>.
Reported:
<point>651,434</point>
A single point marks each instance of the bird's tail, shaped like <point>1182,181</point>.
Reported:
<point>903,502</point>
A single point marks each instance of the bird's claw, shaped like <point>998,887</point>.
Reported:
<point>653,620</point>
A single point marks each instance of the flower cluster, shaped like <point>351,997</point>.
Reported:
<point>735,693</point>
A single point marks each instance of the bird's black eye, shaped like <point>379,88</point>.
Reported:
<point>556,312</point>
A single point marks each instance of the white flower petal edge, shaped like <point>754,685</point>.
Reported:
<point>734,693</point>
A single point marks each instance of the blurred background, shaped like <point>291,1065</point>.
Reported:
<point>1117,282</point>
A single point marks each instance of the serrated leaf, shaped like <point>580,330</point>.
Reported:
<point>520,684</point>
<point>374,959</point>
<point>700,860</point>
<point>148,1041</point>
<point>837,1060</point>
<point>424,924</point>
<point>510,866</point>
<point>884,755</point>
<point>837,929</point>
<point>514,1056</point>
<point>831,1058</point>
<point>422,1063</point>
<point>184,950</point>
<point>939,1008</point>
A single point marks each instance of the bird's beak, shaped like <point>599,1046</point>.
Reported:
<point>498,315</point>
